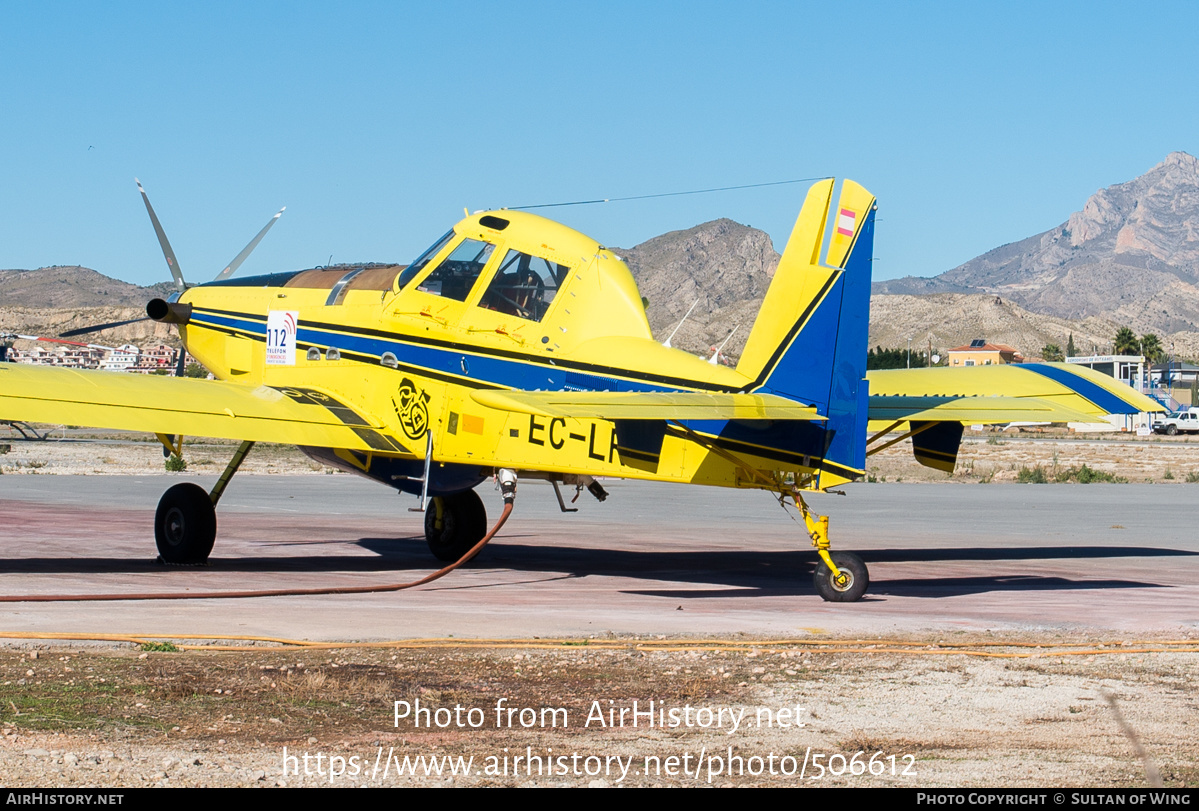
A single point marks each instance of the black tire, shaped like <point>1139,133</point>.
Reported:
<point>463,524</point>
<point>185,524</point>
<point>1171,429</point>
<point>852,567</point>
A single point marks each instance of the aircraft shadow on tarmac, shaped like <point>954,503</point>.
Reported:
<point>725,573</point>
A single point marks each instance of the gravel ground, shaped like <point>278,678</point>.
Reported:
<point>929,717</point>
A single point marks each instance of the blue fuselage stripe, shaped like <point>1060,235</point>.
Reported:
<point>800,438</point>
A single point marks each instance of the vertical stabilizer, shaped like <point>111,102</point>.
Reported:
<point>809,341</point>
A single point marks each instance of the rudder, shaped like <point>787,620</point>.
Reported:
<point>809,341</point>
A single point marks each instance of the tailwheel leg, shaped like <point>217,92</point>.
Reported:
<point>185,522</point>
<point>843,577</point>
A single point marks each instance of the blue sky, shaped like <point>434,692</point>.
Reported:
<point>377,123</point>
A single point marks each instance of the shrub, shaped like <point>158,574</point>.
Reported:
<point>1032,475</point>
<point>159,647</point>
<point>1086,475</point>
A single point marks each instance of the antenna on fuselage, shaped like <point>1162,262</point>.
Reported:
<point>666,343</point>
<point>715,355</point>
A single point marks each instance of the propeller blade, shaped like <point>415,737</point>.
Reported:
<point>182,357</point>
<point>55,341</point>
<point>167,251</point>
<point>85,330</point>
<point>241,257</point>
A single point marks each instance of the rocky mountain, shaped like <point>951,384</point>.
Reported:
<point>954,319</point>
<point>724,266</point>
<point>1131,255</point>
<point>72,286</point>
<point>51,300</point>
<point>50,322</point>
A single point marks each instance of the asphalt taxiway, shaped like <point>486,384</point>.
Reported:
<point>653,559</point>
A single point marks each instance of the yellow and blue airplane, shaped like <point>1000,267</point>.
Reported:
<point>516,345</point>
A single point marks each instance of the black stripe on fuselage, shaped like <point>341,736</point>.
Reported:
<point>776,454</point>
<point>506,354</point>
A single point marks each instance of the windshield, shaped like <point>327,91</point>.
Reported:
<point>456,275</point>
<point>409,272</point>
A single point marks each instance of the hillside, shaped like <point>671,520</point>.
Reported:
<point>72,286</point>
<point>1129,256</point>
<point>724,266</point>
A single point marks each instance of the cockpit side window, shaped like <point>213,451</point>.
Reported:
<point>524,286</point>
<point>456,274</point>
<point>409,273</point>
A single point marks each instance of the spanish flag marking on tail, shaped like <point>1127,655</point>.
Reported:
<point>845,222</point>
<point>847,219</point>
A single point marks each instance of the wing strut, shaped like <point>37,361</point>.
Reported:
<point>899,438</point>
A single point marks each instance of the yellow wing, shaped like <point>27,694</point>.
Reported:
<point>666,405</point>
<point>172,405</point>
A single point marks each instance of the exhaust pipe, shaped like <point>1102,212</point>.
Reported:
<point>169,312</point>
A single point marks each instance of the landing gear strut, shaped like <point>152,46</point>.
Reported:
<point>840,577</point>
<point>185,522</point>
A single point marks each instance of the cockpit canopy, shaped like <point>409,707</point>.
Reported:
<point>526,267</point>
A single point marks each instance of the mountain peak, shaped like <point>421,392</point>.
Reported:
<point>1182,160</point>
<point>1152,217</point>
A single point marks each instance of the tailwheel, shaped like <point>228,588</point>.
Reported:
<point>454,524</point>
<point>185,524</point>
<point>850,582</point>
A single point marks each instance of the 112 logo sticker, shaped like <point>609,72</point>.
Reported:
<point>281,337</point>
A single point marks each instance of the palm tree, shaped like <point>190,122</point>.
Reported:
<point>1152,349</point>
<point>1126,342</point>
<point>1052,353</point>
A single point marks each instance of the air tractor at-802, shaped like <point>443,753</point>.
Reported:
<point>519,348</point>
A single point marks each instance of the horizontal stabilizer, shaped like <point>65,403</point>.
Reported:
<point>1076,388</point>
<point>971,410</point>
<point>619,405</point>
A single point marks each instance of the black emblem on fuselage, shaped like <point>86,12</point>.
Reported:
<point>410,404</point>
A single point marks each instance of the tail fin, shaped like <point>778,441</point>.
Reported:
<point>809,341</point>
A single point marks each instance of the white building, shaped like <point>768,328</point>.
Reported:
<point>122,359</point>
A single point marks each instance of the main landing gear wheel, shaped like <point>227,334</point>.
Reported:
<point>852,584</point>
<point>185,524</point>
<point>454,524</point>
